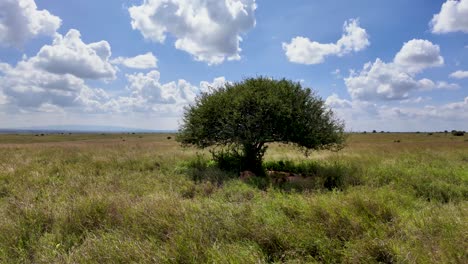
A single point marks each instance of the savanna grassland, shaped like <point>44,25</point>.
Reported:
<point>144,199</point>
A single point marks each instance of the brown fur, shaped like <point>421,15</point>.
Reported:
<point>280,177</point>
<point>246,175</point>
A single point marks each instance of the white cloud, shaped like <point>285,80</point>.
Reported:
<point>217,83</point>
<point>395,80</point>
<point>20,21</point>
<point>4,67</point>
<point>3,98</point>
<point>454,111</point>
<point>70,55</point>
<point>50,108</point>
<point>54,81</point>
<point>148,88</point>
<point>334,101</point>
<point>447,86</point>
<point>382,81</point>
<point>453,17</point>
<point>54,78</point>
<point>408,116</point>
<point>27,87</point>
<point>428,85</point>
<point>417,55</point>
<point>459,74</point>
<point>304,51</point>
<point>417,100</point>
<point>148,94</point>
<point>144,61</point>
<point>210,30</point>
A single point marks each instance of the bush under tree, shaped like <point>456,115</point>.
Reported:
<point>240,119</point>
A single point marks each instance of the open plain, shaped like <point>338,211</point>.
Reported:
<point>142,198</point>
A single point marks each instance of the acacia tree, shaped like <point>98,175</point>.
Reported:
<point>245,116</point>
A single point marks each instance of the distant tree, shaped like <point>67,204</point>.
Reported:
<point>374,131</point>
<point>458,133</point>
<point>244,117</point>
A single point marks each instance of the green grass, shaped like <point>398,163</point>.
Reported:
<point>100,199</point>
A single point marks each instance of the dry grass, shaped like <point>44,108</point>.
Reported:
<point>100,199</point>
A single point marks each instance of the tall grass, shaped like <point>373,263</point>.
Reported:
<point>146,200</point>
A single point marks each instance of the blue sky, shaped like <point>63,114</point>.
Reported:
<point>386,65</point>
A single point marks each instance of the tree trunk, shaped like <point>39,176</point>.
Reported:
<point>253,156</point>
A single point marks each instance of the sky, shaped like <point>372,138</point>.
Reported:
<point>386,65</point>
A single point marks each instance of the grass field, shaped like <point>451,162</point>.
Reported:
<point>123,198</point>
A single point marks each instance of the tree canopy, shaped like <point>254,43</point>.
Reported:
<point>247,115</point>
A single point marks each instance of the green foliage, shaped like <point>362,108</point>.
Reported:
<point>245,116</point>
<point>227,160</point>
<point>458,133</point>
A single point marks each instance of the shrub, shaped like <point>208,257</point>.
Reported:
<point>458,133</point>
<point>227,160</point>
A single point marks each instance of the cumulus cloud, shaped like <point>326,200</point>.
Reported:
<point>217,83</point>
<point>148,88</point>
<point>20,21</point>
<point>144,61</point>
<point>418,54</point>
<point>4,67</point>
<point>352,111</point>
<point>459,74</point>
<point>54,81</point>
<point>447,86</point>
<point>454,111</point>
<point>28,87</point>
<point>417,100</point>
<point>55,77</point>
<point>304,51</point>
<point>334,101</point>
<point>382,81</point>
<point>148,94</point>
<point>452,17</point>
<point>395,80</point>
<point>209,30</point>
<point>70,55</point>
<point>361,115</point>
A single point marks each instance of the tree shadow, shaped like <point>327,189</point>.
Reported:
<point>285,175</point>
<point>313,175</point>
